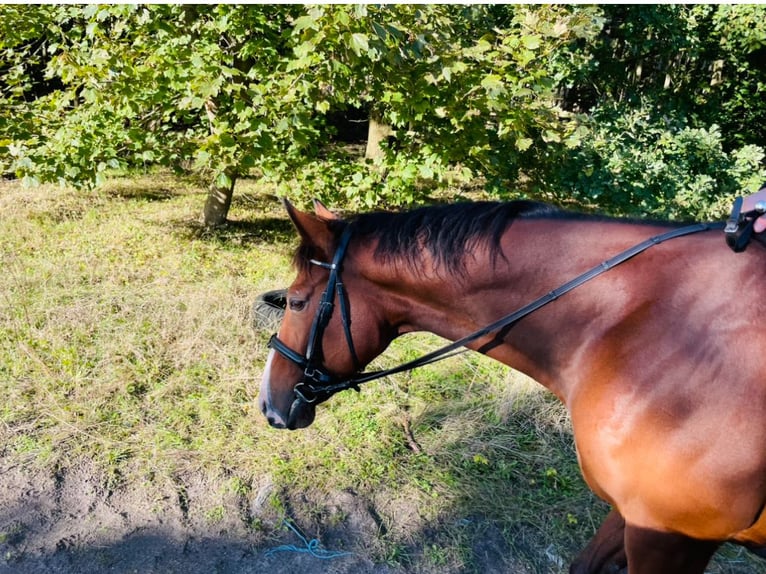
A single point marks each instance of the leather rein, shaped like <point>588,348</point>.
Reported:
<point>318,384</point>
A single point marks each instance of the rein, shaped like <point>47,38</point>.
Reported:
<point>319,385</point>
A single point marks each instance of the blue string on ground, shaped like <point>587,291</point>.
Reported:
<point>311,547</point>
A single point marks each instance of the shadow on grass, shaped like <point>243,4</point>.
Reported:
<point>125,191</point>
<point>519,494</point>
<point>151,187</point>
<point>272,230</point>
<point>522,504</point>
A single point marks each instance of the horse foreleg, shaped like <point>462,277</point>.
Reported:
<point>605,553</point>
<point>653,552</point>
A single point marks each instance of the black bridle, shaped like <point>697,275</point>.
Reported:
<point>318,384</point>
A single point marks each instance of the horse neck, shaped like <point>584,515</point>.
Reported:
<point>537,257</point>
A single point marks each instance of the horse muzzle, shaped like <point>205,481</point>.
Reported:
<point>300,415</point>
<point>283,410</point>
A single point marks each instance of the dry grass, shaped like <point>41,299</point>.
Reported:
<point>125,339</point>
<point>124,334</point>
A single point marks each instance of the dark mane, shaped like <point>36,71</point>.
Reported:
<point>448,232</point>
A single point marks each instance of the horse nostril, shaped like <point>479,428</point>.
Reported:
<point>277,424</point>
<point>273,417</point>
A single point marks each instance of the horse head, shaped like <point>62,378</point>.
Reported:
<point>331,328</point>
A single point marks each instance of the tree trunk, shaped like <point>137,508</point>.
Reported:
<point>219,199</point>
<point>377,132</point>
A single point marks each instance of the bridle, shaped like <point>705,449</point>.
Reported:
<point>318,384</point>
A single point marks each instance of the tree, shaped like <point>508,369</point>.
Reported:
<point>703,61</point>
<point>495,92</point>
<point>225,89</point>
<point>667,93</point>
<point>176,85</point>
<point>466,86</point>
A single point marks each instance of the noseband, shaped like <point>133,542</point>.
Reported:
<point>318,384</point>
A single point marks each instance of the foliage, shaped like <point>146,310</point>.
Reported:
<point>487,93</point>
<point>672,127</point>
<point>739,44</point>
<point>643,52</point>
<point>700,63</point>
<point>636,163</point>
<point>472,87</point>
<point>160,84</point>
<point>232,87</point>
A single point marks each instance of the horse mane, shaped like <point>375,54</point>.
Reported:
<point>448,232</point>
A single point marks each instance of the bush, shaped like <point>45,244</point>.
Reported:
<point>635,162</point>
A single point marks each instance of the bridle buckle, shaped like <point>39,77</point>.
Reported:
<point>309,398</point>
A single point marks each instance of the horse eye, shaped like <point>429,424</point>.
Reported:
<point>297,304</point>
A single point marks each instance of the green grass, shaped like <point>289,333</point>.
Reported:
<point>125,339</point>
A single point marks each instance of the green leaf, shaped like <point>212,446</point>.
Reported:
<point>197,61</point>
<point>302,23</point>
<point>493,84</point>
<point>359,43</point>
<point>531,42</point>
<point>342,18</point>
<point>426,171</point>
<point>380,31</point>
<point>223,181</point>
<point>30,181</point>
<point>227,141</point>
<point>523,144</point>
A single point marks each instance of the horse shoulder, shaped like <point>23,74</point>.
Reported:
<point>670,423</point>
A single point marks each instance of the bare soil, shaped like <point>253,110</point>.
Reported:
<point>69,524</point>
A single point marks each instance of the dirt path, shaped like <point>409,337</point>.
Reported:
<point>67,525</point>
<point>64,524</point>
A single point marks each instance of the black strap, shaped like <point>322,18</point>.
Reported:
<point>318,385</point>
<point>326,302</point>
<point>345,317</point>
<point>317,382</point>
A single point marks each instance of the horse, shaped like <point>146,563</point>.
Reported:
<point>657,358</point>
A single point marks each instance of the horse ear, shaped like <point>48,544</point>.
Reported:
<point>312,229</point>
<point>321,210</point>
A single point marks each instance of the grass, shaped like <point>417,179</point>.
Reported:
<point>125,339</point>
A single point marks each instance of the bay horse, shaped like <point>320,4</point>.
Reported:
<point>658,359</point>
